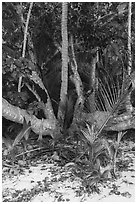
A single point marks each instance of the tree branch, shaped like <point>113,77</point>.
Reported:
<point>16,114</point>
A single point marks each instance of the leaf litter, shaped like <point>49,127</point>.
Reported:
<point>45,180</point>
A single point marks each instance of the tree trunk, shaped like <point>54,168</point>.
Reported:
<point>75,78</point>
<point>93,73</point>
<point>128,104</point>
<point>93,83</point>
<point>129,39</point>
<point>64,73</point>
<point>19,10</point>
<point>14,113</point>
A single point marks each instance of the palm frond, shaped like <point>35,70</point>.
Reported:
<point>112,96</point>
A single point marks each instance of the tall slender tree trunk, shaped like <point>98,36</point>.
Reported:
<point>25,35</point>
<point>93,74</point>
<point>129,39</point>
<point>64,73</point>
<point>93,82</point>
<point>129,106</point>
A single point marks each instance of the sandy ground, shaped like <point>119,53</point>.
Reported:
<point>46,181</point>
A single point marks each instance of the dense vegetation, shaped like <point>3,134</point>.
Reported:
<point>68,79</point>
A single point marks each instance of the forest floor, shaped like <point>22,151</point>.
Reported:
<point>44,180</point>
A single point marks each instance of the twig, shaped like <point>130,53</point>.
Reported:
<point>8,165</point>
<point>35,94</point>
<point>112,16</point>
<point>39,148</point>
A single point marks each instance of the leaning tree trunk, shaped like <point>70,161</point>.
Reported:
<point>16,114</point>
<point>64,73</point>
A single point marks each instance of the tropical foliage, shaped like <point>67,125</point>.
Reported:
<point>65,74</point>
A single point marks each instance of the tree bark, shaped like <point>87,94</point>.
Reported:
<point>64,72</point>
<point>93,82</point>
<point>129,39</point>
<point>76,80</point>
<point>13,113</point>
<point>93,73</point>
<point>49,126</point>
<point>25,34</point>
<point>128,104</point>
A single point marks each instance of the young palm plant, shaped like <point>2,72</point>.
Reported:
<point>98,151</point>
<point>110,98</point>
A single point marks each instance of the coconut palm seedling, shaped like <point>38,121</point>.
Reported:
<point>97,166</point>
<point>110,97</point>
